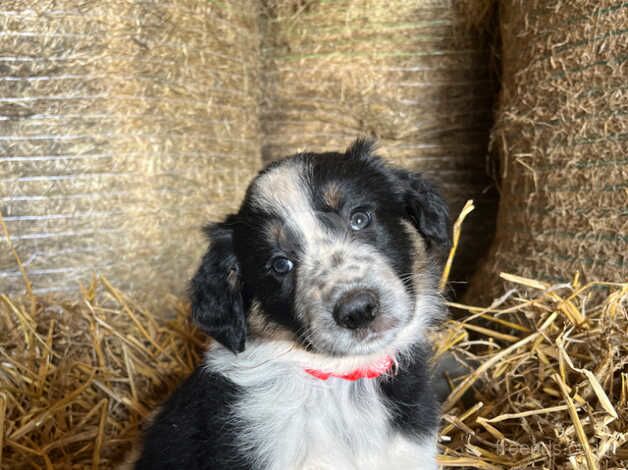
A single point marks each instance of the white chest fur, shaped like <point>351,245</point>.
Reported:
<point>294,421</point>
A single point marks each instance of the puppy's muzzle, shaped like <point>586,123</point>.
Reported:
<point>356,308</point>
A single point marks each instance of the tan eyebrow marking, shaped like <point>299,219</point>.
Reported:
<point>332,195</point>
<point>277,234</point>
<point>274,231</point>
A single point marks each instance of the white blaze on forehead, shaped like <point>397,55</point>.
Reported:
<point>284,191</point>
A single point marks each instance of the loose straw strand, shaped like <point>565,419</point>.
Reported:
<point>457,229</point>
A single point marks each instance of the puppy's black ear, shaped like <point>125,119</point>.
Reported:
<point>424,205</point>
<point>426,209</point>
<point>215,291</point>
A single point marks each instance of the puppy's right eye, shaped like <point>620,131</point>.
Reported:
<point>360,219</point>
<point>282,265</point>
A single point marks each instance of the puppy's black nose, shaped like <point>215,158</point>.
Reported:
<point>356,308</point>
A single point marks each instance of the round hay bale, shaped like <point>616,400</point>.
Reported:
<point>408,73</point>
<point>124,126</point>
<point>561,134</point>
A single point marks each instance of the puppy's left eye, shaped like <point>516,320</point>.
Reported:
<point>360,220</point>
<point>282,265</point>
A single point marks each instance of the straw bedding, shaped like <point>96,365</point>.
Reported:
<point>410,73</point>
<point>561,134</point>
<point>78,377</point>
<point>124,126</point>
<point>547,381</point>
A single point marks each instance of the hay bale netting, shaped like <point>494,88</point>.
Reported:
<point>124,126</point>
<point>561,133</point>
<point>409,73</point>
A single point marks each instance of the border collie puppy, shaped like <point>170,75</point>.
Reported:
<point>318,293</point>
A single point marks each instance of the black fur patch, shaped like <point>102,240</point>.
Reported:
<point>194,431</point>
<point>215,291</point>
<point>413,404</point>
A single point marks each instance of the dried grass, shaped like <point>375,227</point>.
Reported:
<point>543,391</point>
<point>546,385</point>
<point>79,377</point>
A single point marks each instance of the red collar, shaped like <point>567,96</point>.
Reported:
<point>376,369</point>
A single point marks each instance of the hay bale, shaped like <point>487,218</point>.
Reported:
<point>409,73</point>
<point>561,134</point>
<point>124,126</point>
<point>77,379</point>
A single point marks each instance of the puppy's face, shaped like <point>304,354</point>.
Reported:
<point>336,252</point>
